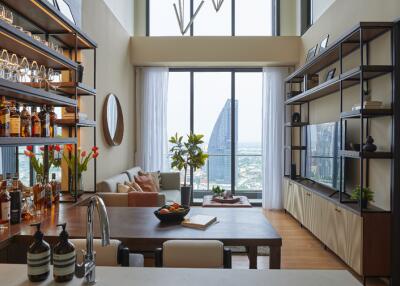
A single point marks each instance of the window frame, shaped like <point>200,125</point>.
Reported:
<point>233,72</point>
<point>275,19</point>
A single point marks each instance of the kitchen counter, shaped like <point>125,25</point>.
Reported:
<point>15,275</point>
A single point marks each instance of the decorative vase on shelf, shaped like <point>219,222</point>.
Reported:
<point>369,146</point>
<point>79,186</point>
<point>364,203</point>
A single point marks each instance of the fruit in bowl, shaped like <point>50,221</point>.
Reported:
<point>172,213</point>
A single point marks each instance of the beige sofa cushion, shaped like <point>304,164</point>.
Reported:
<point>193,254</point>
<point>131,173</point>
<point>105,255</point>
<point>121,200</point>
<point>111,185</point>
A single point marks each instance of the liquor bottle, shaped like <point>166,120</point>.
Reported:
<point>4,118</point>
<point>38,194</point>
<point>63,258</point>
<point>25,123</point>
<point>16,202</point>
<point>44,121</point>
<point>56,188</point>
<point>5,202</point>
<point>36,126</point>
<point>15,121</point>
<point>53,119</point>
<point>48,193</point>
<point>38,257</point>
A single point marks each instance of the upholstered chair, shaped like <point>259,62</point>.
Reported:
<point>114,254</point>
<point>193,254</point>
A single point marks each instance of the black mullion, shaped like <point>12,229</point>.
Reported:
<point>276,17</point>
<point>191,15</point>
<point>147,18</point>
<point>233,132</point>
<point>191,125</point>
<point>233,23</point>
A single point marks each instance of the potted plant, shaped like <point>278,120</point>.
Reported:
<point>187,155</point>
<point>217,191</point>
<point>84,158</point>
<point>367,196</point>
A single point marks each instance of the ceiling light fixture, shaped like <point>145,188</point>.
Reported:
<point>180,15</point>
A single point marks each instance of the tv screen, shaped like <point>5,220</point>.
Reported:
<point>322,162</point>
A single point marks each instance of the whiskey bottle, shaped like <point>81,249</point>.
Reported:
<point>53,119</point>
<point>25,123</point>
<point>48,194</point>
<point>56,188</point>
<point>44,121</point>
<point>4,119</point>
<point>15,121</point>
<point>5,202</point>
<point>38,194</point>
<point>16,202</point>
<point>36,126</point>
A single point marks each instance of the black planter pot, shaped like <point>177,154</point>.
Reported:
<point>186,192</point>
<point>364,203</point>
<point>80,72</point>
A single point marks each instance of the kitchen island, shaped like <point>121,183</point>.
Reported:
<point>15,275</point>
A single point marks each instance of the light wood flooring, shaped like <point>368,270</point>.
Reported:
<point>300,249</point>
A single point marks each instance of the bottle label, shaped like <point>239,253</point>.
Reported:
<point>5,211</point>
<point>38,263</point>
<point>5,121</point>
<point>64,264</point>
<point>15,125</point>
<point>36,129</point>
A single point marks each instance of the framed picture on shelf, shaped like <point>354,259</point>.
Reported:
<point>65,9</point>
<point>311,53</point>
<point>324,44</point>
<point>331,74</point>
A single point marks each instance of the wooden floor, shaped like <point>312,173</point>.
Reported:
<point>300,249</point>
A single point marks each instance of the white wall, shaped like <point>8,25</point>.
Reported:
<point>124,11</point>
<point>319,7</point>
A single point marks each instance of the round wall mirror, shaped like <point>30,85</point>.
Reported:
<point>113,120</point>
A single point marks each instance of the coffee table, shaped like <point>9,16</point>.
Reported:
<point>209,203</point>
<point>140,230</point>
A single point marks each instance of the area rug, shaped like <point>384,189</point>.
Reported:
<point>241,250</point>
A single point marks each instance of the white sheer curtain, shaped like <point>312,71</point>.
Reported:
<point>151,95</point>
<point>272,135</point>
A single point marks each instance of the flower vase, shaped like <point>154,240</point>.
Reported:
<point>79,186</point>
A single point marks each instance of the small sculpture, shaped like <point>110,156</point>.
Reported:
<point>369,146</point>
<point>228,194</point>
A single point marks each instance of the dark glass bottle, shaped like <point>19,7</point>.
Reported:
<point>53,120</point>
<point>4,118</point>
<point>38,257</point>
<point>16,202</point>
<point>36,126</point>
<point>5,202</point>
<point>48,194</point>
<point>25,123</point>
<point>15,121</point>
<point>56,188</point>
<point>63,257</point>
<point>44,121</point>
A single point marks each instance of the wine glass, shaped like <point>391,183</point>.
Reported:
<point>14,68</point>
<point>4,61</point>
<point>2,12</point>
<point>8,16</point>
<point>34,72</point>
<point>42,75</point>
<point>23,73</point>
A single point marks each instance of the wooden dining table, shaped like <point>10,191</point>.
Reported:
<point>141,231</point>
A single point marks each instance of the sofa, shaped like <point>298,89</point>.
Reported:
<point>169,188</point>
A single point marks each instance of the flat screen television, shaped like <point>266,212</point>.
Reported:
<point>322,160</point>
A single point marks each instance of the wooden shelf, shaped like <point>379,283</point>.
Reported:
<point>350,42</point>
<point>367,113</point>
<point>27,94</point>
<point>294,148</point>
<point>348,79</point>
<point>296,124</point>
<point>68,88</point>
<point>21,44</point>
<point>365,155</point>
<point>24,141</point>
<point>47,18</point>
<point>72,122</point>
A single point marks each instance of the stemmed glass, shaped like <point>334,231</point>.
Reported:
<point>53,77</point>
<point>14,68</point>
<point>8,16</point>
<point>4,61</point>
<point>34,72</point>
<point>23,73</point>
<point>42,75</point>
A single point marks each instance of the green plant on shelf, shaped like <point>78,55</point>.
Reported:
<point>217,191</point>
<point>367,194</point>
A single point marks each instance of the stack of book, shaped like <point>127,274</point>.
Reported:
<point>369,105</point>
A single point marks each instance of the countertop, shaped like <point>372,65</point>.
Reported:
<point>15,275</point>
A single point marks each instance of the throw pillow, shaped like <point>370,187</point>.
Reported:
<point>146,183</point>
<point>156,178</point>
<point>134,186</point>
<point>123,189</point>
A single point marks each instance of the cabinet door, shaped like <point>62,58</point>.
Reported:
<point>298,205</point>
<point>307,197</point>
<point>318,216</point>
<point>285,193</point>
<point>336,230</point>
<point>354,241</point>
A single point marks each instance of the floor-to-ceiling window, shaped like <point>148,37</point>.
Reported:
<point>202,101</point>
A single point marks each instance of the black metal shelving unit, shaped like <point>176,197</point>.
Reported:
<point>40,17</point>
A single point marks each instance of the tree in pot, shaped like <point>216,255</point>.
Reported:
<point>367,196</point>
<point>187,155</point>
